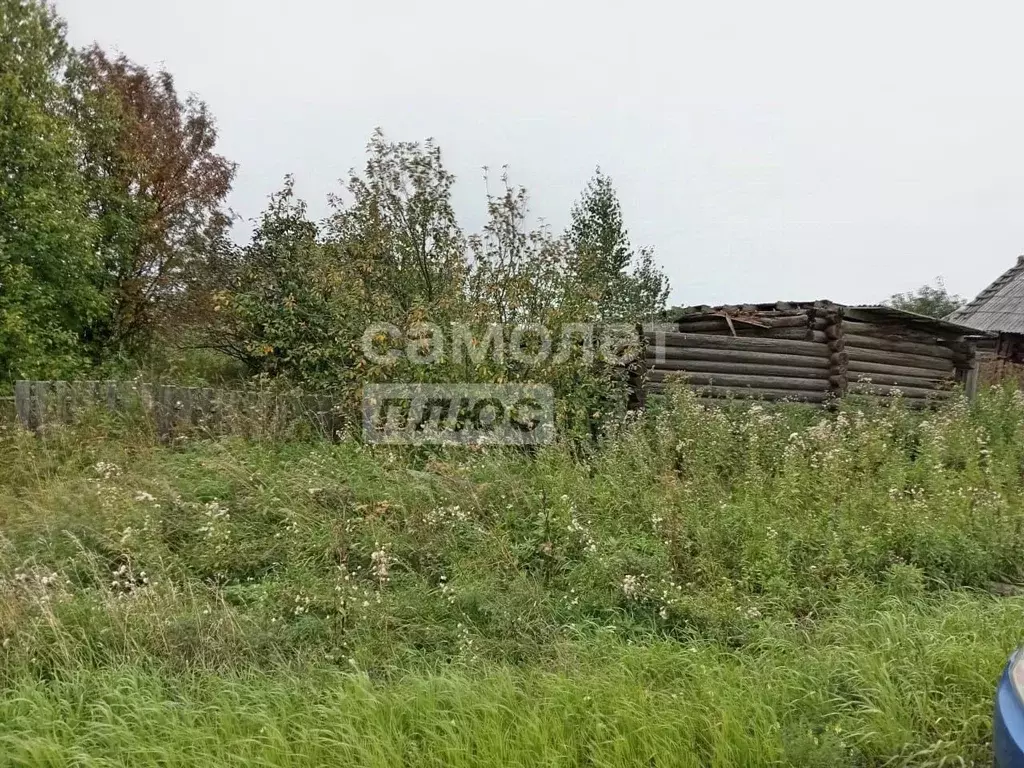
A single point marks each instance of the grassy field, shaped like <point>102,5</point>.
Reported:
<point>727,587</point>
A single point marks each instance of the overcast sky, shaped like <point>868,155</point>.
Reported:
<point>765,150</point>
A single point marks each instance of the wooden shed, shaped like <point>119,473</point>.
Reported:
<point>811,352</point>
<point>999,311</point>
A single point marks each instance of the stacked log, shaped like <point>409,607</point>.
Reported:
<point>780,358</point>
<point>837,357</point>
<point>795,325</point>
<point>888,358</point>
<point>814,353</point>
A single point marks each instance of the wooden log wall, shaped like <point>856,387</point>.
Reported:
<point>837,357</point>
<point>814,354</point>
<point>176,411</point>
<point>777,356</point>
<point>887,356</point>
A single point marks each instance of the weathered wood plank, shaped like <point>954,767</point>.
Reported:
<point>61,409</point>
<point>883,369</point>
<point>93,394</point>
<point>184,419</point>
<point>172,404</point>
<point>740,381</point>
<point>230,419</point>
<point>736,356</point>
<point>711,324</point>
<point>894,331</point>
<point>173,410</point>
<point>194,406</point>
<point>211,412</point>
<point>862,355</point>
<point>750,323</point>
<point>76,400</point>
<point>130,401</point>
<point>797,321</point>
<point>706,341</point>
<point>971,381</point>
<point>792,334</point>
<point>23,403</point>
<point>162,397</point>
<point>889,345</point>
<point>325,420</point>
<point>41,403</point>
<point>756,369</point>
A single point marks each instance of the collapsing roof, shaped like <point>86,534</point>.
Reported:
<point>876,313</point>
<point>1000,307</point>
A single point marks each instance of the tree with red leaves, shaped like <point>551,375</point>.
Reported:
<point>157,189</point>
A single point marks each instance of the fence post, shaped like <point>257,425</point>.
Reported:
<point>971,380</point>
<point>202,403</point>
<point>112,396</point>
<point>60,405</point>
<point>23,402</point>
<point>40,403</point>
<point>92,394</point>
<point>164,398</point>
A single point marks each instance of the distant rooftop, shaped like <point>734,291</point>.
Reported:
<point>1000,307</point>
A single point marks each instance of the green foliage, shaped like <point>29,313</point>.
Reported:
<point>288,309</point>
<point>743,586</point>
<point>113,237</point>
<point>110,202</point>
<point>302,295</point>
<point>872,688</point>
<point>49,272</point>
<point>156,189</point>
<point>930,300</point>
<point>397,235</point>
<point>618,283</point>
<point>517,274</point>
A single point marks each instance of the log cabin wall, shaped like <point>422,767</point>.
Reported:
<point>776,353</point>
<point>811,353</point>
<point>886,355</point>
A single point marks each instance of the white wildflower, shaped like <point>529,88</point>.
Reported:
<point>380,563</point>
<point>630,586</point>
<point>106,470</point>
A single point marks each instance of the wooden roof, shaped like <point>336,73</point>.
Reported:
<point>1000,307</point>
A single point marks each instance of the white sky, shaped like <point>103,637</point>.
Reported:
<point>765,150</point>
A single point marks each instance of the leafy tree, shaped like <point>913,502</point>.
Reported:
<point>930,300</point>
<point>287,310</point>
<point>516,273</point>
<point>618,283</point>
<point>49,271</point>
<point>528,276</point>
<point>157,189</point>
<point>398,233</point>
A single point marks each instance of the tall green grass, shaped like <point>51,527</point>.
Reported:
<point>738,586</point>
